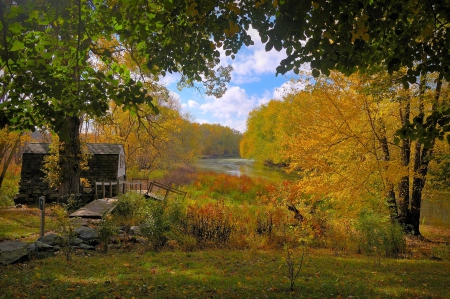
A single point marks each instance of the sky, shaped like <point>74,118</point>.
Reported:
<point>253,83</point>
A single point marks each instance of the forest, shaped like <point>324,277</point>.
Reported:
<point>368,136</point>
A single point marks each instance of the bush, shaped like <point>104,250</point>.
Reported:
<point>131,206</point>
<point>8,190</point>
<point>5,200</point>
<point>377,235</point>
<point>210,224</point>
<point>163,222</point>
<point>238,189</point>
<point>72,202</point>
<point>106,229</point>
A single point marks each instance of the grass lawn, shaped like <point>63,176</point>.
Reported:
<point>223,274</point>
<point>133,272</point>
<point>24,223</point>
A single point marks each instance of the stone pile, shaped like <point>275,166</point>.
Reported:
<point>17,251</point>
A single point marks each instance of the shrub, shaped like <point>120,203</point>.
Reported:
<point>376,234</point>
<point>67,231</point>
<point>6,200</point>
<point>238,189</point>
<point>131,206</point>
<point>72,202</point>
<point>163,221</point>
<point>338,235</point>
<point>210,224</point>
<point>8,190</point>
<point>182,175</point>
<point>106,229</point>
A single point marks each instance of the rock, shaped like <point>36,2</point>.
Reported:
<point>76,242</point>
<point>12,251</point>
<point>51,239</point>
<point>41,246</point>
<point>87,234</point>
<point>135,230</point>
<point>140,240</point>
<point>86,247</point>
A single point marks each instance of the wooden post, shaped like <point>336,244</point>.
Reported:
<point>118,187</point>
<point>103,189</point>
<point>110,189</point>
<point>96,194</point>
<point>42,208</point>
<point>167,193</point>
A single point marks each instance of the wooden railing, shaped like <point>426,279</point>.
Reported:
<point>121,187</point>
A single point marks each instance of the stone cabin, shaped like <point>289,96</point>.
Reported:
<point>107,163</point>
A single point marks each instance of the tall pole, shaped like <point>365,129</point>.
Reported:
<point>42,208</point>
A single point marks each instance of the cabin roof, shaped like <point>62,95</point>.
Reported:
<point>94,148</point>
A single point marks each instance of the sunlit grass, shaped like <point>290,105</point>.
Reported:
<point>22,223</point>
<point>223,274</point>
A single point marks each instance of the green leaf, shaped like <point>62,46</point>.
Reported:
<point>277,45</point>
<point>17,45</point>
<point>269,46</point>
<point>315,73</point>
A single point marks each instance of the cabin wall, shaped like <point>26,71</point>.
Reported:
<point>102,168</point>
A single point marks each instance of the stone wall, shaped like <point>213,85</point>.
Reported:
<point>32,185</point>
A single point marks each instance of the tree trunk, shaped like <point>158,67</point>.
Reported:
<point>70,156</point>
<point>403,194</point>
<point>390,193</point>
<point>418,185</point>
<point>422,157</point>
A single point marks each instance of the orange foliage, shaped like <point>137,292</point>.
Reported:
<point>239,188</point>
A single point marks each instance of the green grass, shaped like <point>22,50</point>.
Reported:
<point>222,274</point>
<point>22,223</point>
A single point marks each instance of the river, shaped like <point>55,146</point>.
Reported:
<point>238,167</point>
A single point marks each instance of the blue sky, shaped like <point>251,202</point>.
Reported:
<point>253,83</point>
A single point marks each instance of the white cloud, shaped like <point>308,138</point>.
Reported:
<point>232,109</point>
<point>169,79</point>
<point>234,102</point>
<point>175,96</point>
<point>287,88</point>
<point>193,104</point>
<point>253,61</point>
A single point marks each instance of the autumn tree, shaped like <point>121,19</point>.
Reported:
<point>260,141</point>
<point>218,140</point>
<point>362,36</point>
<point>342,135</point>
<point>152,141</point>
<point>9,144</point>
<point>50,51</point>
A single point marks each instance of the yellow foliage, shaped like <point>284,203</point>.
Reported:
<point>340,136</point>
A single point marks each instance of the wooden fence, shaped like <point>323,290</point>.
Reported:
<point>121,187</point>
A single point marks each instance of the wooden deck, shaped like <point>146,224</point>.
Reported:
<point>96,209</point>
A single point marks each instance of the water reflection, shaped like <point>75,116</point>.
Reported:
<point>238,167</point>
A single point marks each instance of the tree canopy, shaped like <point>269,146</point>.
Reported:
<point>340,135</point>
<point>61,59</point>
<point>364,36</point>
<point>50,51</point>
<point>47,48</point>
